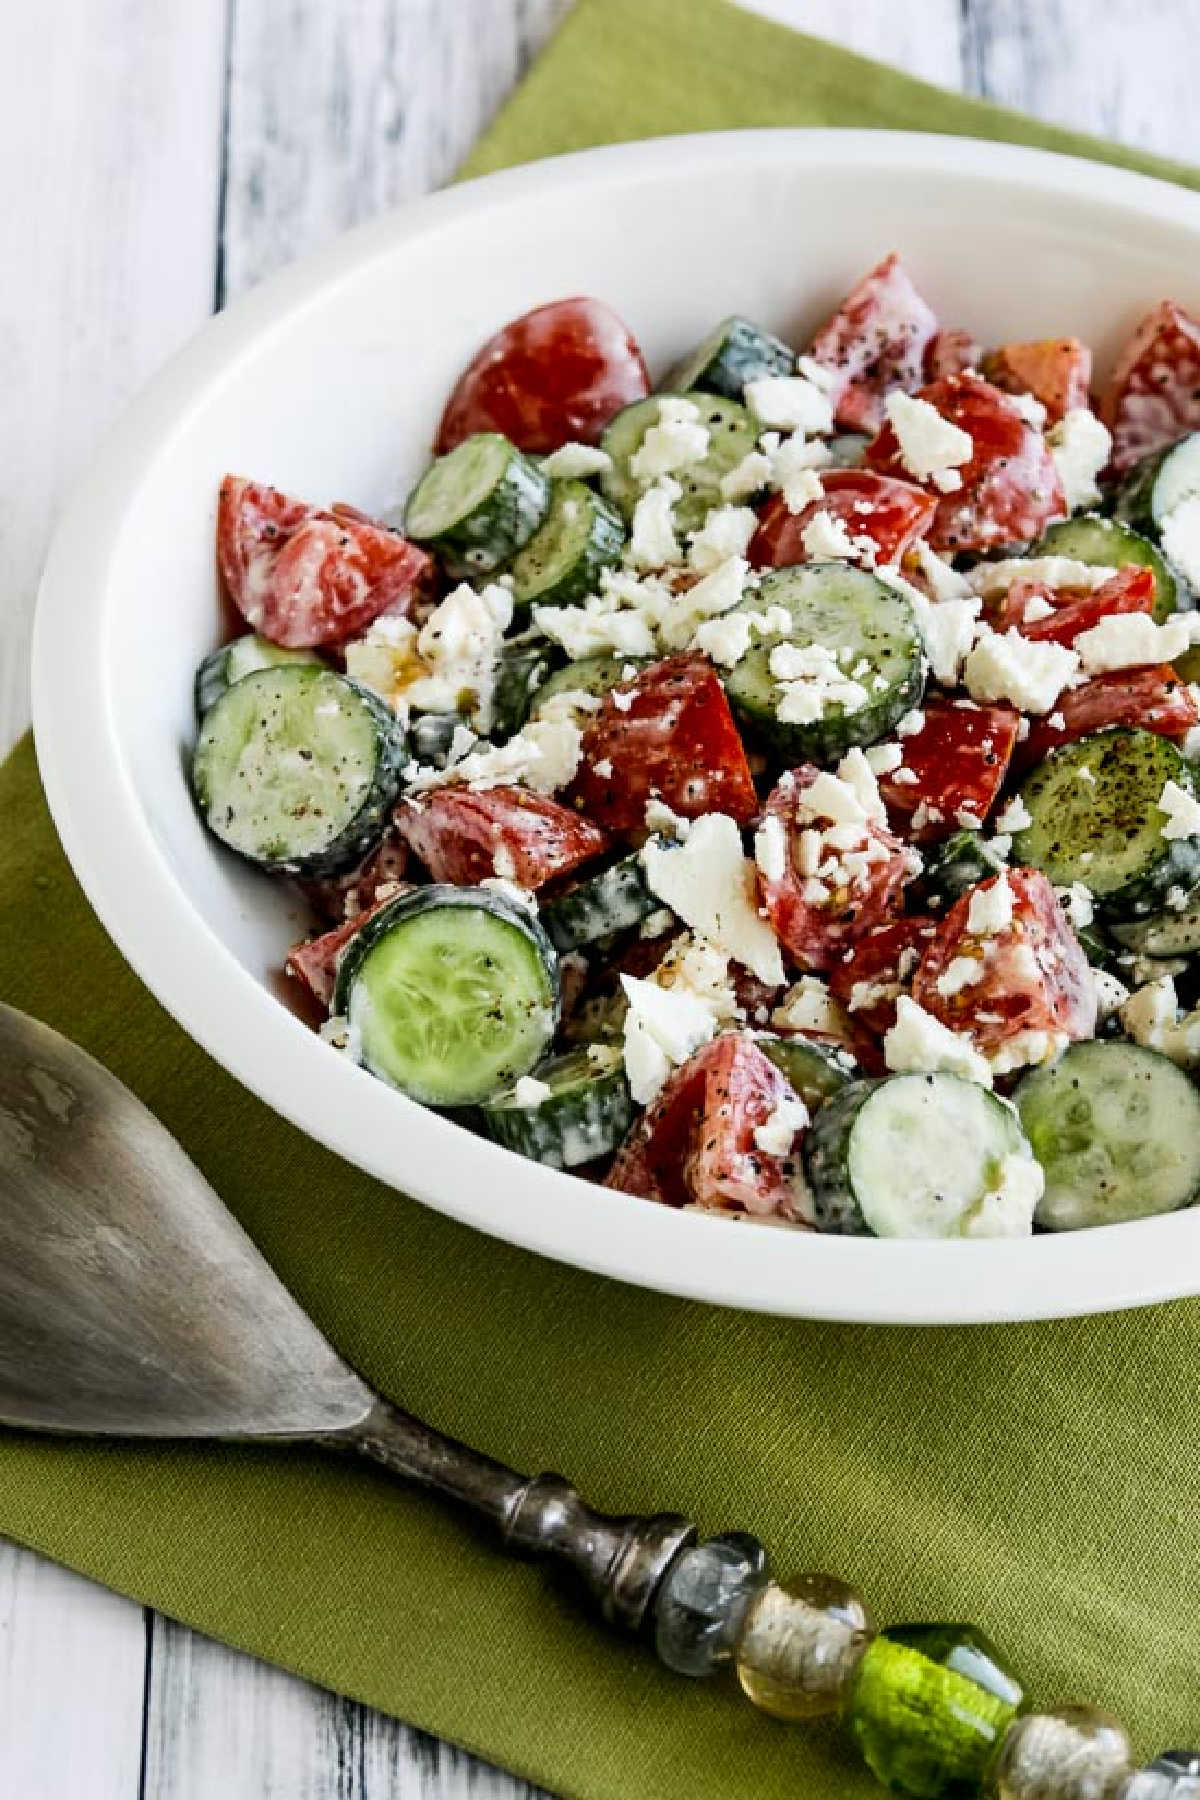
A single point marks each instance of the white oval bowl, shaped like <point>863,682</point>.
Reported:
<point>327,382</point>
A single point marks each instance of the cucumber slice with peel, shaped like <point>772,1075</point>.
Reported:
<point>871,630</point>
<point>560,565</point>
<point>479,504</point>
<point>221,668</point>
<point>816,1071</point>
<point>1116,1129</point>
<point>951,867</point>
<point>733,353</point>
<point>1113,543</point>
<point>524,665</point>
<point>451,994</point>
<point>1175,931</point>
<point>1095,818</point>
<point>919,1156</point>
<point>296,768</point>
<point>584,1112</point>
<point>732,434</point>
<point>615,900</point>
<point>1160,483</point>
<point>595,676</point>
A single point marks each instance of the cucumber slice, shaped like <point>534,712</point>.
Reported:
<point>586,1112</point>
<point>732,435</point>
<point>868,626</point>
<point>1157,485</point>
<point>910,1157</point>
<point>733,353</point>
<point>525,665</point>
<point>847,450</point>
<point>221,668</point>
<point>451,992</point>
<point>1111,543</point>
<point>594,675</point>
<point>297,768</point>
<point>431,734</point>
<point>816,1071</point>
<point>1172,932</point>
<point>1095,819</point>
<point>560,565</point>
<point>479,504</point>
<point>1116,1129</point>
<point>954,866</point>
<point>615,900</point>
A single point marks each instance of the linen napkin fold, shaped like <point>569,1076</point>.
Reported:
<point>1039,1480</point>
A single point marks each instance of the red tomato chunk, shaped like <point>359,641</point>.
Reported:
<point>960,757</point>
<point>950,351</point>
<point>339,897</point>
<point>696,1144</point>
<point>1130,590</point>
<point>875,971</point>
<point>1154,698</point>
<point>314,963</point>
<point>1056,371</point>
<point>553,376</point>
<point>464,837</point>
<point>1154,394</point>
<point>817,916</point>
<point>667,734</point>
<point>1033,976</point>
<point>875,341</point>
<point>1010,487</point>
<point>893,514</point>
<point>302,576</point>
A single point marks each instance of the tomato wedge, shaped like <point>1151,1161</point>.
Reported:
<point>1056,371</point>
<point>1010,487</point>
<point>1153,396</point>
<point>340,897</point>
<point>950,351</point>
<point>303,576</point>
<point>314,962</point>
<point>666,734</point>
<point>876,340</point>
<point>1130,590</point>
<point>893,514</point>
<point>960,757</point>
<point>1154,698</point>
<point>872,974</point>
<point>464,837</point>
<point>696,1143</point>
<point>1032,977</point>
<point>817,916</point>
<point>553,376</point>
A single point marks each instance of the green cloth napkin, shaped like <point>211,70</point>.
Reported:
<point>1040,1480</point>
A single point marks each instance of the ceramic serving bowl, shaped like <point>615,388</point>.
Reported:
<point>328,382</point>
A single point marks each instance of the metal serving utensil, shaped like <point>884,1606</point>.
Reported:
<point>132,1304</point>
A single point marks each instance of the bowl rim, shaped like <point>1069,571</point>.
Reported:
<point>255,1038</point>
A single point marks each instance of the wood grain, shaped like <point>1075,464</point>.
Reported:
<point>135,129</point>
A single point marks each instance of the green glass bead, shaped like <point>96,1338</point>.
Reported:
<point>1071,1753</point>
<point>802,1645</point>
<point>930,1705</point>
<point>703,1602</point>
<point>1175,1775</point>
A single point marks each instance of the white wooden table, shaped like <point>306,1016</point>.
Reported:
<point>160,157</point>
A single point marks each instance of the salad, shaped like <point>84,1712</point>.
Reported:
<point>769,792</point>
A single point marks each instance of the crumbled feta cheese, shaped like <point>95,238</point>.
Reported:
<point>1076,902</point>
<point>1015,816</point>
<point>809,1006</point>
<point>657,923</point>
<point>1150,1013</point>
<point>1182,810</point>
<point>777,1133</point>
<point>725,639</point>
<point>710,884</point>
<point>1030,409</point>
<point>829,797</point>
<point>386,660</point>
<point>712,595</point>
<point>947,630</point>
<point>660,818</point>
<point>1057,722</point>
<point>530,1092</point>
<point>912,723</point>
<point>652,540</point>
<point>1027,1050</point>
<point>920,1044</point>
<point>1179,535</point>
<point>746,477</point>
<point>1130,640</point>
<point>544,756</point>
<point>1036,608</point>
<point>1111,994</point>
<point>726,532</point>
<point>677,441</point>
<point>943,581</point>
<point>794,467</point>
<point>459,645</point>
<point>960,972</point>
<point>771,848</point>
<point>1052,571</point>
<point>338,1032</point>
<point>856,772</point>
<point>1010,667</point>
<point>991,908</point>
<point>811,680</point>
<point>826,536</point>
<point>569,703</point>
<point>790,403</point>
<point>575,462</point>
<point>1080,446</point>
<point>828,380</point>
<point>1007,1209</point>
<point>662,1028</point>
<point>885,759</point>
<point>930,446</point>
<point>583,631</point>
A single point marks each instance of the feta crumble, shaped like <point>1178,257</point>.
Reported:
<point>1130,640</point>
<point>1030,675</point>
<point>777,1133</point>
<point>1182,810</point>
<point>827,537</point>
<point>662,1029</point>
<point>810,681</point>
<point>652,540</point>
<point>1179,535</point>
<point>726,532</point>
<point>790,403</point>
<point>920,1044</point>
<point>529,1092</point>
<point>989,578</point>
<point>931,448</point>
<point>710,884</point>
<point>771,848</point>
<point>1014,817</point>
<point>677,441</point>
<point>991,909</point>
<point>576,462</point>
<point>1080,445</point>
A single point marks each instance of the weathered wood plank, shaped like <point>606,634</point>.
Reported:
<point>923,39</point>
<point>72,1665</point>
<point>109,119</point>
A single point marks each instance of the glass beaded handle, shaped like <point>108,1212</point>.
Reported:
<point>933,1709</point>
